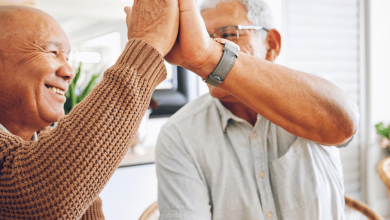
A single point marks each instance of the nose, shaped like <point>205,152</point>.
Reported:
<point>66,71</point>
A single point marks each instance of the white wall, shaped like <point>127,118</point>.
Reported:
<point>129,192</point>
<point>380,62</point>
<point>132,189</point>
<point>379,98</point>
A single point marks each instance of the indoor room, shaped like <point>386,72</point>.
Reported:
<point>344,44</point>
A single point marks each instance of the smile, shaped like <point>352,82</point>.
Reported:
<point>56,90</point>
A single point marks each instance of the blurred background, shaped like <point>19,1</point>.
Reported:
<point>346,40</point>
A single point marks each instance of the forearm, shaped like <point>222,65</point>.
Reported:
<point>302,104</point>
<point>69,166</point>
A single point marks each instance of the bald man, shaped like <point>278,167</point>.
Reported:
<point>58,174</point>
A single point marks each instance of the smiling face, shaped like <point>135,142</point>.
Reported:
<point>33,67</point>
<point>231,14</point>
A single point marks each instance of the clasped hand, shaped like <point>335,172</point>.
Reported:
<point>176,29</point>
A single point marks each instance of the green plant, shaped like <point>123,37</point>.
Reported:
<point>384,132</point>
<point>72,99</point>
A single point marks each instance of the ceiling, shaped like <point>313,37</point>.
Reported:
<point>96,9</point>
<point>83,19</point>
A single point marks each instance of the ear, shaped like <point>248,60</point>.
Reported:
<point>274,43</point>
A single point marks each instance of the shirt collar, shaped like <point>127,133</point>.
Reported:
<point>226,115</point>
<point>2,128</point>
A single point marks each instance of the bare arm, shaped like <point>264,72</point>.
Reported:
<point>302,104</point>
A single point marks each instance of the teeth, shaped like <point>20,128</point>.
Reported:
<point>57,90</point>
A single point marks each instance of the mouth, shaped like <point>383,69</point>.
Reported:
<point>54,89</point>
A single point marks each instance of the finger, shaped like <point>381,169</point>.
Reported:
<point>128,11</point>
<point>193,26</point>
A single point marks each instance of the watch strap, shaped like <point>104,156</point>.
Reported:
<point>230,54</point>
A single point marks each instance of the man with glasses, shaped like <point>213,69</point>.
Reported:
<point>223,158</point>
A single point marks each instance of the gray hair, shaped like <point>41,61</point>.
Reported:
<point>259,12</point>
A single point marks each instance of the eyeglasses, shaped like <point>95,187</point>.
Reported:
<point>233,33</point>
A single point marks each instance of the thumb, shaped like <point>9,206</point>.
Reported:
<point>193,33</point>
<point>192,27</point>
<point>128,11</point>
<point>191,20</point>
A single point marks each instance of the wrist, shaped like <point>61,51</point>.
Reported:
<point>211,62</point>
<point>155,45</point>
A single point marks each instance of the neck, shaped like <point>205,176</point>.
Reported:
<point>22,131</point>
<point>243,111</point>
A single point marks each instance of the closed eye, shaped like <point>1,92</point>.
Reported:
<point>54,52</point>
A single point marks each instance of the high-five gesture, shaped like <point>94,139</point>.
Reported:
<point>154,21</point>
<point>194,49</point>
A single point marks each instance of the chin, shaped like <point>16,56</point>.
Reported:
<point>218,93</point>
<point>50,114</point>
<point>223,96</point>
<point>57,115</point>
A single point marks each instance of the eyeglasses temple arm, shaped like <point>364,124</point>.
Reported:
<point>255,27</point>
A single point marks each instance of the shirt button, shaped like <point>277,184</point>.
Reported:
<point>269,215</point>
<point>254,135</point>
<point>261,174</point>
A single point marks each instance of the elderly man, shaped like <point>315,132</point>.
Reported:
<point>58,174</point>
<point>260,156</point>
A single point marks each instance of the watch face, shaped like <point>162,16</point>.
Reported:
<point>224,41</point>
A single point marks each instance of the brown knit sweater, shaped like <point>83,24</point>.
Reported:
<point>62,174</point>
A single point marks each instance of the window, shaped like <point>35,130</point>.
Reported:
<point>325,37</point>
<point>96,55</point>
<point>177,90</point>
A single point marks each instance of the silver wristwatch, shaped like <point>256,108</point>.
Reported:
<point>230,54</point>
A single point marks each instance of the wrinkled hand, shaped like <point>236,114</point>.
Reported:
<point>154,21</point>
<point>194,49</point>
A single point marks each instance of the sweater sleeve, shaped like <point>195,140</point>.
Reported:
<point>95,211</point>
<point>61,175</point>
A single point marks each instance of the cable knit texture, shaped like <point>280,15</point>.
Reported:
<point>62,174</point>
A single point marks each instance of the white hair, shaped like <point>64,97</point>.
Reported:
<point>259,12</point>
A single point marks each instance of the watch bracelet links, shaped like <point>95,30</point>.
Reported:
<point>224,66</point>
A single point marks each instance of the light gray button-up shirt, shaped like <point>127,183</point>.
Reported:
<point>213,165</point>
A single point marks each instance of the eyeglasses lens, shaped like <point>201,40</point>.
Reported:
<point>229,33</point>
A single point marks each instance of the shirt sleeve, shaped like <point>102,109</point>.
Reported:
<point>346,143</point>
<point>95,211</point>
<point>182,193</point>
